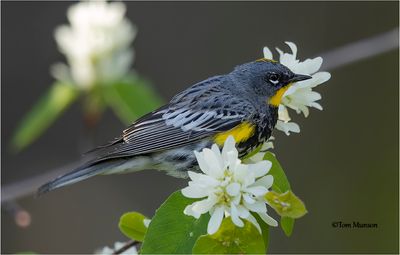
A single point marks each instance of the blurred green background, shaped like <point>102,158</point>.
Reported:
<point>343,164</point>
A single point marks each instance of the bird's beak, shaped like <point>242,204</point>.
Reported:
<point>300,77</point>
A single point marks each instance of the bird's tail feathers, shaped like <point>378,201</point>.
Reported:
<point>81,173</point>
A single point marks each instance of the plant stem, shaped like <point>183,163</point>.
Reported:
<point>126,246</point>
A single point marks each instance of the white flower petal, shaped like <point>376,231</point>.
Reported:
<point>190,212</point>
<point>230,154</point>
<point>258,206</point>
<point>214,162</point>
<point>253,220</point>
<point>267,53</point>
<point>216,150</point>
<point>248,179</point>
<point>240,172</point>
<point>194,192</point>
<point>248,199</point>
<point>204,205</point>
<point>146,222</point>
<point>257,157</point>
<point>304,97</point>
<point>202,162</point>
<point>265,181</point>
<point>257,190</point>
<point>268,219</point>
<point>260,168</point>
<point>293,48</point>
<point>236,199</point>
<point>235,216</point>
<point>195,176</point>
<point>232,161</point>
<point>283,113</point>
<point>203,180</point>
<point>233,189</point>
<point>287,127</point>
<point>291,90</point>
<point>304,110</point>
<point>321,77</point>
<point>229,146</point>
<point>279,51</point>
<point>309,66</point>
<point>317,79</point>
<point>243,211</point>
<point>316,105</point>
<point>215,220</point>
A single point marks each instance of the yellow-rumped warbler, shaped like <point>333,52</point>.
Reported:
<point>243,103</point>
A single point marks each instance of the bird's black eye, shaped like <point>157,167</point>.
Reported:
<point>273,78</point>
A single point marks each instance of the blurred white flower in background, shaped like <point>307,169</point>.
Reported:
<point>229,188</point>
<point>117,245</point>
<point>96,44</point>
<point>97,47</point>
<point>300,96</point>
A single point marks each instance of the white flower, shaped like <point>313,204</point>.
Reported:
<point>300,96</point>
<point>229,188</point>
<point>117,245</point>
<point>287,127</point>
<point>96,44</point>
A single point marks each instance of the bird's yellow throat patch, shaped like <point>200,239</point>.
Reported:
<point>241,133</point>
<point>275,100</point>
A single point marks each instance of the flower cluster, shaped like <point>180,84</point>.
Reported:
<point>300,96</point>
<point>228,187</point>
<point>96,44</point>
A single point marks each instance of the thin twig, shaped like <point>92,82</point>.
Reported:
<point>29,186</point>
<point>360,50</point>
<point>126,246</point>
<point>21,216</point>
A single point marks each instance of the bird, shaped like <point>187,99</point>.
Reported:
<point>243,104</point>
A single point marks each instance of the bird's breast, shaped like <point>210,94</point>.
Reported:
<point>264,122</point>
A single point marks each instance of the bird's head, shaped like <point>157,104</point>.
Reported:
<point>268,78</point>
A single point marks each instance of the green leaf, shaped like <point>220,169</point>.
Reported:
<point>43,113</point>
<point>132,225</point>
<point>230,239</point>
<point>131,98</point>
<point>281,183</point>
<point>264,229</point>
<point>171,231</point>
<point>287,225</point>
<point>286,204</point>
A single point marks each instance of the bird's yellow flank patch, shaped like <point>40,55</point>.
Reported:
<point>241,133</point>
<point>275,100</point>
